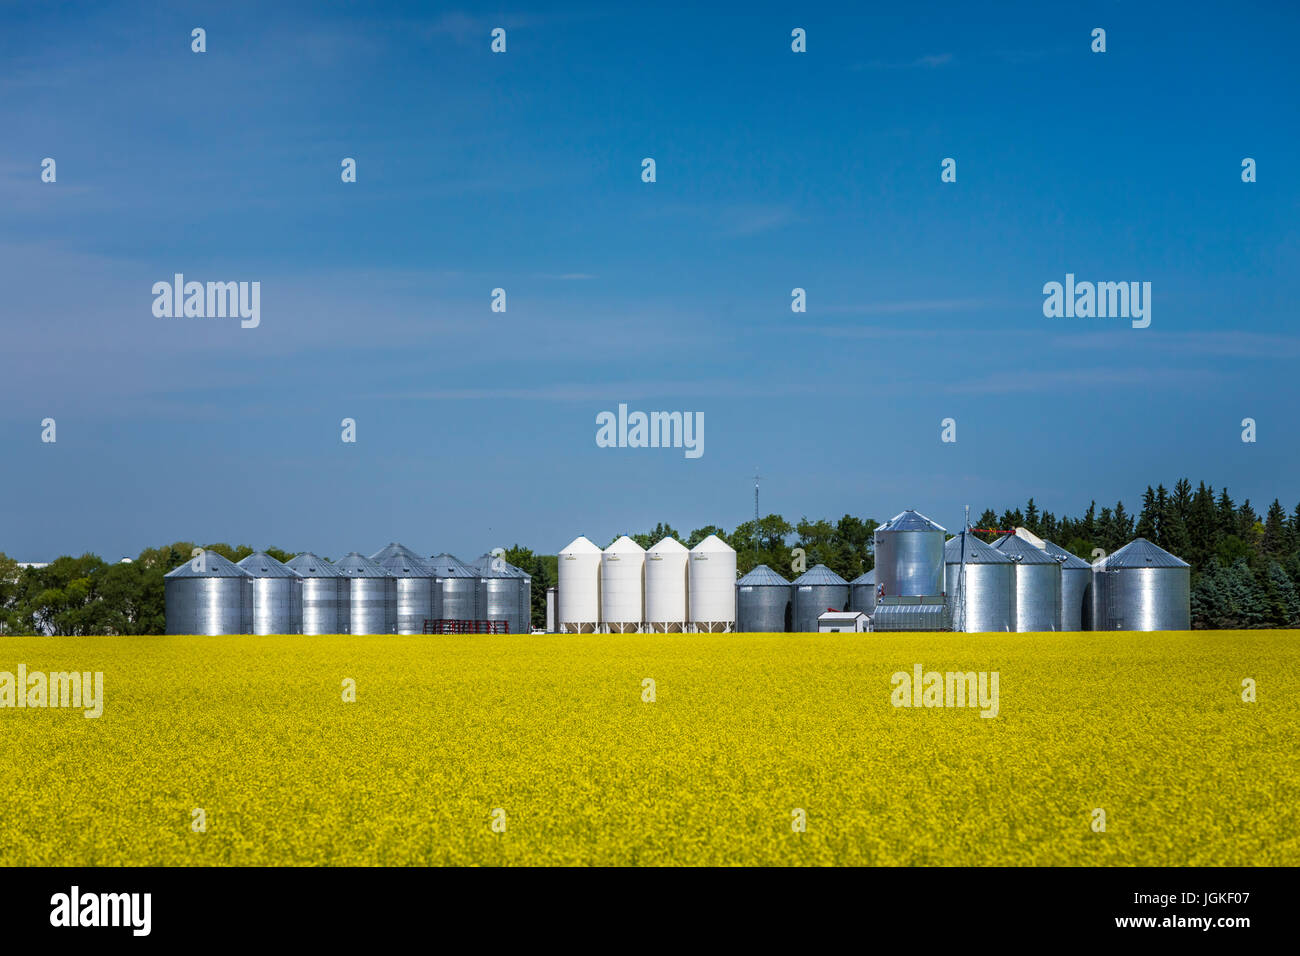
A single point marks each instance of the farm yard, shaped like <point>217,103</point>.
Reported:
<point>695,749</point>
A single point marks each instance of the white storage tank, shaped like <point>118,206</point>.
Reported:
<point>665,587</point>
<point>622,586</point>
<point>578,596</point>
<point>711,586</point>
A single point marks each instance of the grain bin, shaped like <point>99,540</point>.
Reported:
<point>455,596</point>
<point>578,582</point>
<point>909,556</point>
<point>498,591</point>
<point>817,590</point>
<point>622,586</point>
<point>414,586</point>
<point>982,596</point>
<point>372,595</point>
<point>326,608</point>
<point>1142,587</point>
<point>208,595</point>
<point>1076,587</point>
<point>862,592</point>
<point>711,586</point>
<point>763,602</point>
<point>666,574</point>
<point>277,595</point>
<point>1037,585</point>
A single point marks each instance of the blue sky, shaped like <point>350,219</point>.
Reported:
<point>775,170</point>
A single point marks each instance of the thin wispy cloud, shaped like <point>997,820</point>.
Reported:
<point>928,61</point>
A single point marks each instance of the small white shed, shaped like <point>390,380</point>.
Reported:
<point>832,622</point>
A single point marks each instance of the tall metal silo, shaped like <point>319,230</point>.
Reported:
<point>372,595</point>
<point>711,586</point>
<point>981,585</point>
<point>1037,585</point>
<point>862,592</point>
<point>498,591</point>
<point>326,608</point>
<point>816,591</point>
<point>666,575</point>
<point>208,594</point>
<point>763,602</point>
<point>1076,587</point>
<point>578,595</point>
<point>909,556</point>
<point>277,595</point>
<point>414,586</point>
<point>1142,587</point>
<point>622,586</point>
<point>455,589</point>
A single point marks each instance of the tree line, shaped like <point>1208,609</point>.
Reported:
<point>1245,566</point>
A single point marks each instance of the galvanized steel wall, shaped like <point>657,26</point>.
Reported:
<point>1037,596</point>
<point>763,608</point>
<point>813,600</point>
<point>325,605</point>
<point>277,605</point>
<point>209,605</point>
<point>1143,599</point>
<point>1075,585</point>
<point>909,563</point>
<point>988,597</point>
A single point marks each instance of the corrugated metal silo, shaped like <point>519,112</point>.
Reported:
<point>622,586</point>
<point>909,556</point>
<point>277,595</point>
<point>817,590</point>
<point>763,602</point>
<point>414,586</point>
<point>372,595</point>
<point>325,592</point>
<point>711,586</point>
<point>455,589</point>
<point>985,601</point>
<point>1142,587</point>
<point>666,573</point>
<point>208,595</point>
<point>1076,587</point>
<point>498,590</point>
<point>1037,585</point>
<point>862,592</point>
<point>578,597</point>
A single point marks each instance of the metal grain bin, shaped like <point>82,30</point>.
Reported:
<point>763,602</point>
<point>498,591</point>
<point>928,613</point>
<point>909,556</point>
<point>1142,587</point>
<point>372,595</point>
<point>414,586</point>
<point>862,592</point>
<point>1037,585</point>
<point>277,595</point>
<point>981,586</point>
<point>326,608</point>
<point>455,589</point>
<point>817,590</point>
<point>1076,587</point>
<point>208,595</point>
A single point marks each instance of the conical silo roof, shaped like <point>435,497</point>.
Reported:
<point>1021,551</point>
<point>625,545</point>
<point>1068,560</point>
<point>977,552</point>
<point>309,565</point>
<point>580,545</point>
<point>210,565</point>
<point>668,545</point>
<point>910,521</point>
<point>356,565</point>
<point>819,574</point>
<point>866,577</point>
<point>1140,553</point>
<point>763,577</point>
<point>711,544</point>
<point>401,561</point>
<point>500,568</point>
<point>449,566</point>
<point>261,565</point>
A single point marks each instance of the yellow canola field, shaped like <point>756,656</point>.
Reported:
<point>553,739</point>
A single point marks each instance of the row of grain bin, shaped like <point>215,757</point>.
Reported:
<point>625,588</point>
<point>393,591</point>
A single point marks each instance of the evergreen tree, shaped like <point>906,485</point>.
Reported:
<point>1274,542</point>
<point>1146,523</point>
